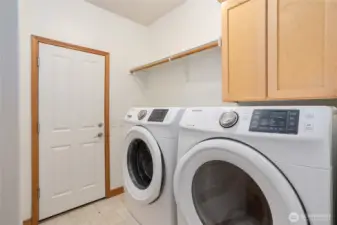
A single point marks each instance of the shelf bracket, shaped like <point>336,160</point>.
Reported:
<point>187,71</point>
<point>142,80</point>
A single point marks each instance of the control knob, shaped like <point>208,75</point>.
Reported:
<point>142,114</point>
<point>228,119</point>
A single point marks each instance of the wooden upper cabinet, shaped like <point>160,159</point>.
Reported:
<point>302,49</point>
<point>244,50</point>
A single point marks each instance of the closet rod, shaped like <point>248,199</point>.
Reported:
<point>210,45</point>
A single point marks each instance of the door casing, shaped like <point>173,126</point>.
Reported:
<point>35,41</point>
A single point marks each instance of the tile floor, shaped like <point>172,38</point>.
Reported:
<point>105,212</point>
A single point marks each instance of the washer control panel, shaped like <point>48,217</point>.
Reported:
<point>275,121</point>
<point>142,114</point>
<point>158,115</point>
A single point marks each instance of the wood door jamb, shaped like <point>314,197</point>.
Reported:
<point>35,41</point>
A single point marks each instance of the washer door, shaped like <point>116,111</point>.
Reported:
<point>223,182</point>
<point>143,166</point>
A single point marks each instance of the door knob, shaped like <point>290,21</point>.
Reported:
<point>99,135</point>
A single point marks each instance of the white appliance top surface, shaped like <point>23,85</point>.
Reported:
<point>162,122</point>
<point>171,116</point>
<point>207,119</point>
<point>310,146</point>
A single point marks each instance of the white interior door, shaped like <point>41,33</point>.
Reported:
<point>71,115</point>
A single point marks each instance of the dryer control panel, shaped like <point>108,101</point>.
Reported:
<point>158,115</point>
<point>275,121</point>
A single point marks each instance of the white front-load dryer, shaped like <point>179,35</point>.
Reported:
<point>257,166</point>
<point>151,144</point>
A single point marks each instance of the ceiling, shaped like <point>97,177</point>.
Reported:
<point>141,11</point>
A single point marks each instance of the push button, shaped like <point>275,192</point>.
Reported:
<point>281,129</point>
<point>309,127</point>
<point>292,124</point>
<point>293,113</point>
<point>292,130</point>
<point>309,115</point>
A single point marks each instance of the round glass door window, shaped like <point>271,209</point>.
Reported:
<point>223,194</point>
<point>140,164</point>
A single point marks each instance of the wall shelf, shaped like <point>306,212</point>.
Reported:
<point>209,45</point>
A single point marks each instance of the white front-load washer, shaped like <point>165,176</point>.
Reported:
<point>257,166</point>
<point>151,144</point>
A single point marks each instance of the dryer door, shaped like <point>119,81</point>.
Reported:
<point>142,166</point>
<point>223,182</point>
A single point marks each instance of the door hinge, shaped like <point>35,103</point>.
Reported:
<point>38,193</point>
<point>38,128</point>
<point>38,62</point>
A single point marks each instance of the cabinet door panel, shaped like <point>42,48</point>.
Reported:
<point>301,48</point>
<point>244,50</point>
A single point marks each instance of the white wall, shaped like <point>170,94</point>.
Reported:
<point>194,23</point>
<point>81,23</point>
<point>9,138</point>
<point>193,81</point>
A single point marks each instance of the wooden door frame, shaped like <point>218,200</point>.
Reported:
<point>35,41</point>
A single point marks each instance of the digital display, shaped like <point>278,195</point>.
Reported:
<point>275,121</point>
<point>158,115</point>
